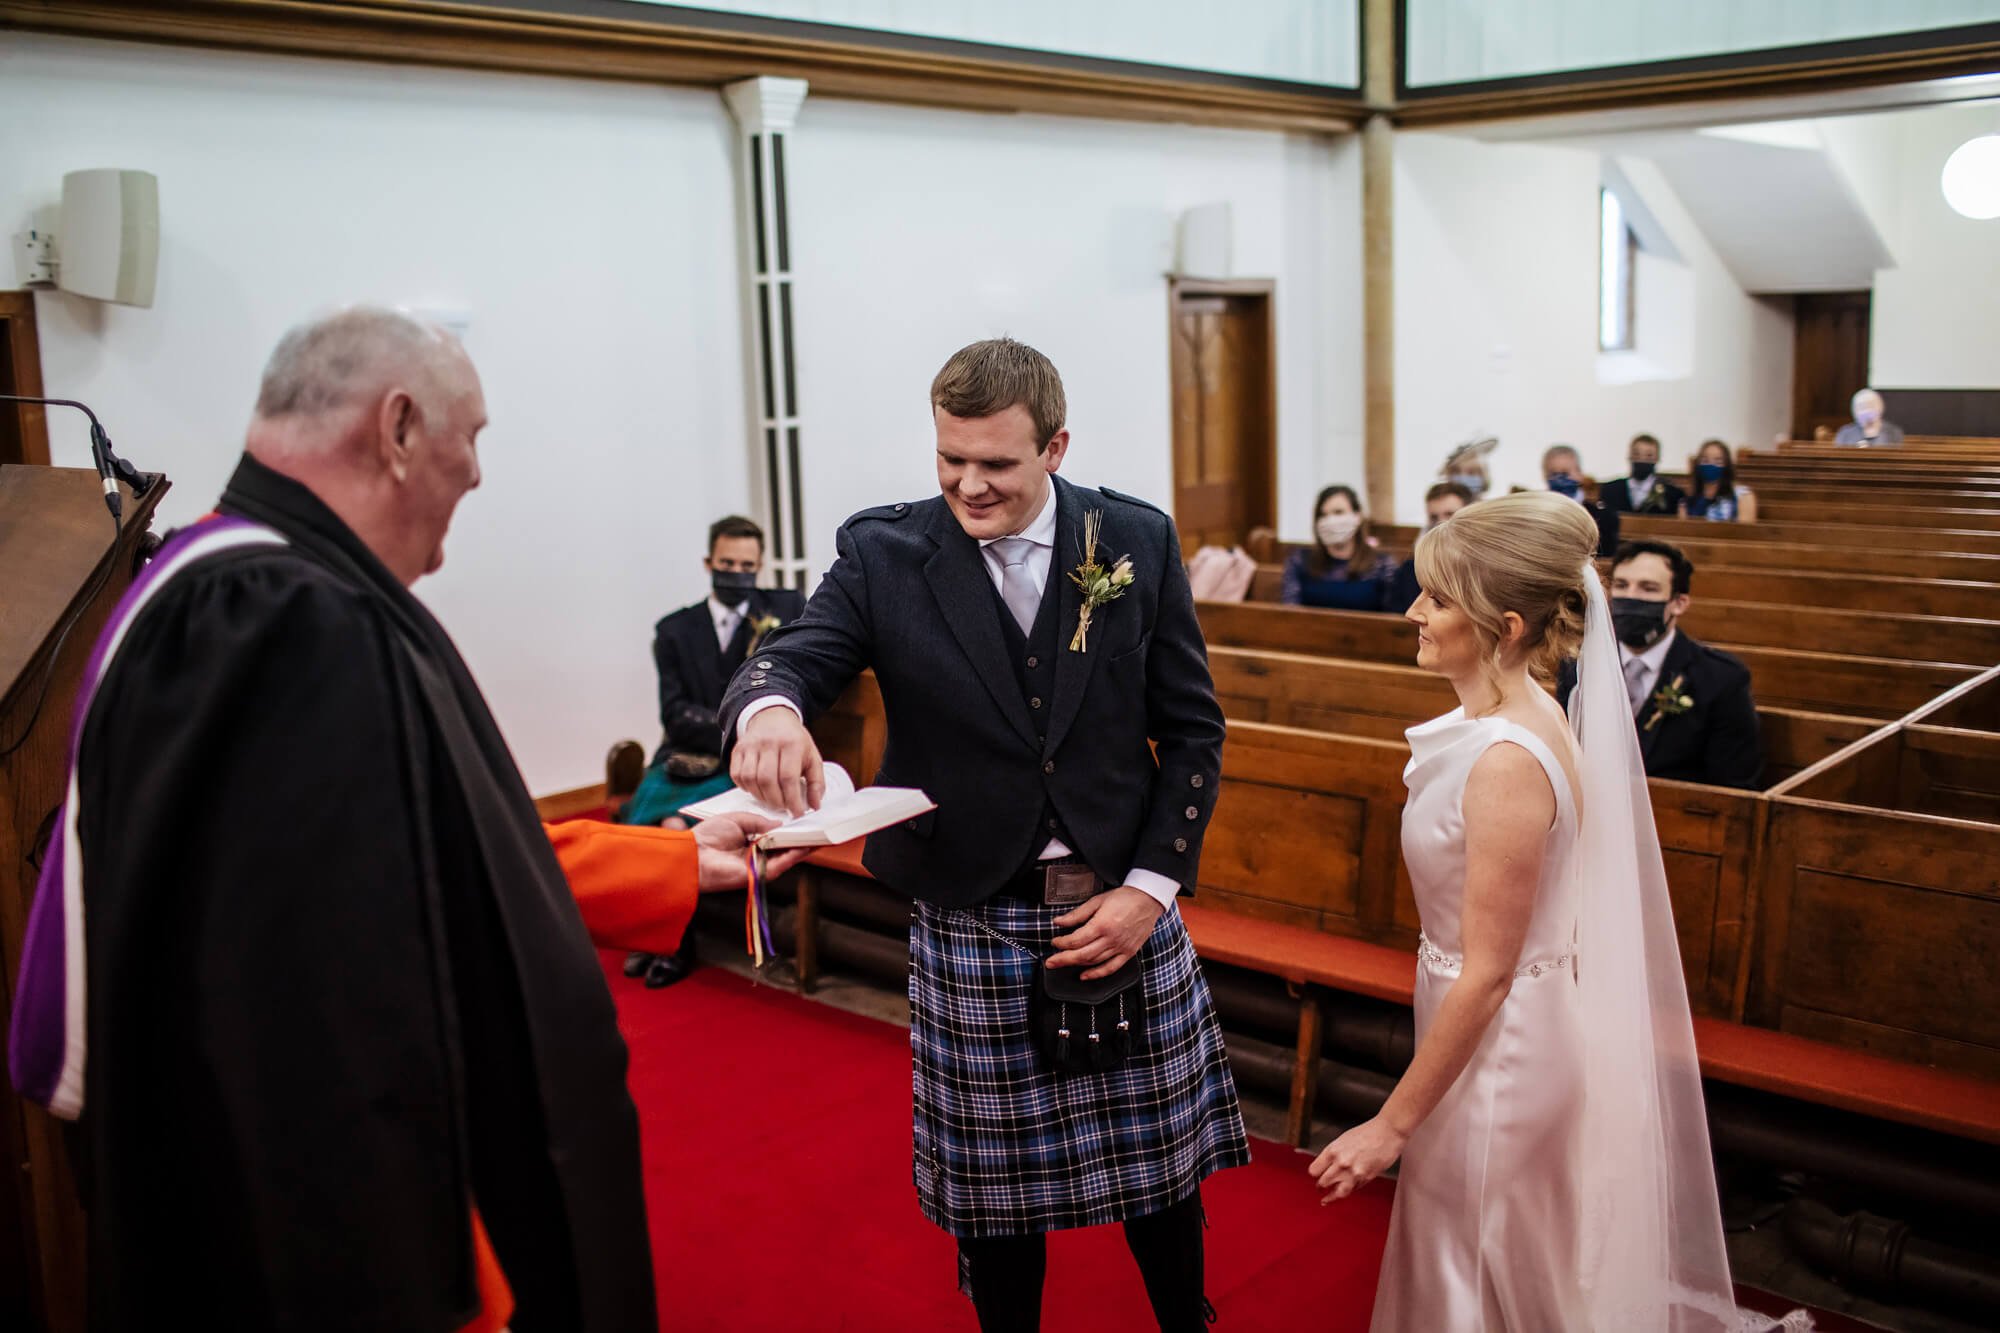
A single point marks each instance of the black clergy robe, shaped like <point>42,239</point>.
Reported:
<point>338,988</point>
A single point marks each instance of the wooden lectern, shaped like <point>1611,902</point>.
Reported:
<point>56,542</point>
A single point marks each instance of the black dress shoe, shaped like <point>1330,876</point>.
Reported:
<point>637,963</point>
<point>667,969</point>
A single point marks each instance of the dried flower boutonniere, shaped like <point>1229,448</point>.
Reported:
<point>1668,701</point>
<point>759,627</point>
<point>1099,585</point>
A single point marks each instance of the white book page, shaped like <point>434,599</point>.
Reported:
<point>736,801</point>
<point>859,814</point>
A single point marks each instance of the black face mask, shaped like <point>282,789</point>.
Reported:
<point>731,588</point>
<point>1639,623</point>
<point>1641,471</point>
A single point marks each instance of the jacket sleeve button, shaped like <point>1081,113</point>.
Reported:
<point>1180,844</point>
<point>1195,781</point>
<point>1193,813</point>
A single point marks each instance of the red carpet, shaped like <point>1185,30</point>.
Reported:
<point>777,1153</point>
<point>777,1150</point>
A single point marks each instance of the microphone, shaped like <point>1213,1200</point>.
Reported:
<point>111,469</point>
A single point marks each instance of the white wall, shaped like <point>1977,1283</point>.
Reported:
<point>1496,319</point>
<point>586,228</point>
<point>590,231</point>
<point>915,233</point>
<point>1933,319</point>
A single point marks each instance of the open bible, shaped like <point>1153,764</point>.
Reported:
<point>843,815</point>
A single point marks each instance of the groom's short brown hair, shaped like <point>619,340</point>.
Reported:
<point>989,377</point>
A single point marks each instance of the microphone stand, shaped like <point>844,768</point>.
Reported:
<point>111,469</point>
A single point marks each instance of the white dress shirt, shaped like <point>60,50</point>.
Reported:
<point>726,620</point>
<point>1654,658</point>
<point>1041,531</point>
<point>1638,490</point>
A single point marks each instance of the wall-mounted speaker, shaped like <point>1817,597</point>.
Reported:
<point>109,237</point>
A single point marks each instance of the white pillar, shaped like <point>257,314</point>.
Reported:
<point>765,111</point>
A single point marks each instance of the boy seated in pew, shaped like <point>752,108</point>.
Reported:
<point>1440,503</point>
<point>696,650</point>
<point>1697,721</point>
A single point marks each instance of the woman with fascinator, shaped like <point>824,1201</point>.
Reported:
<point>1556,1171</point>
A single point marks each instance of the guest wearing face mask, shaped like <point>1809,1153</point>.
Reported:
<point>1440,503</point>
<point>697,649</point>
<point>1343,569</point>
<point>1715,495</point>
<point>1691,703</point>
<point>1869,426</point>
<point>1562,470</point>
<point>1466,466</point>
<point>1643,492</point>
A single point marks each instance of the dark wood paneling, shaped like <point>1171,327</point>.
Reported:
<point>24,429</point>
<point>1829,358</point>
<point>1944,411</point>
<point>1223,367</point>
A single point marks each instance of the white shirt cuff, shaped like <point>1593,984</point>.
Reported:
<point>758,705</point>
<point>1155,886</point>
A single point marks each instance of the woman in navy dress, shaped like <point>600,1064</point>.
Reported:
<point>1344,568</point>
<point>1714,494</point>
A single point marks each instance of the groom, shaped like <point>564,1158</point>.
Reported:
<point>1073,782</point>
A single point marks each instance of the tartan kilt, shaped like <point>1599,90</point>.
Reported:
<point>1004,1145</point>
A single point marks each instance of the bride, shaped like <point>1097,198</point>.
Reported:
<point>1556,1173</point>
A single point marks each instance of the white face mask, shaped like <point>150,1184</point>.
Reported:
<point>1336,529</point>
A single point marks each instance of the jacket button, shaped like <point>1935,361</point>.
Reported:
<point>1055,825</point>
<point>1049,767</point>
<point>1195,781</point>
<point>1034,703</point>
<point>764,665</point>
<point>901,508</point>
<point>1180,844</point>
<point>910,824</point>
<point>1193,813</point>
<point>1034,662</point>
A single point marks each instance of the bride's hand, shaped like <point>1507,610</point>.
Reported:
<point>1355,1158</point>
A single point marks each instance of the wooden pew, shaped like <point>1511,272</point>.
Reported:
<point>1809,609</point>
<point>1971,541</point>
<point>1878,516</point>
<point>1812,682</point>
<point>1890,562</point>
<point>1879,907</point>
<point>1788,494</point>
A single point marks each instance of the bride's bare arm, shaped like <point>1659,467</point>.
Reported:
<point>1508,807</point>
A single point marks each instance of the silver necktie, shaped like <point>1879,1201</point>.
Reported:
<point>1635,683</point>
<point>1017,585</point>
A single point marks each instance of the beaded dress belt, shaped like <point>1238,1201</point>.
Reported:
<point>1430,953</point>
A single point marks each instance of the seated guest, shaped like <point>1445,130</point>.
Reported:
<point>697,649</point>
<point>1343,568</point>
<point>1869,425</point>
<point>1440,503</point>
<point>1716,496</point>
<point>1562,470</point>
<point>1643,492</point>
<point>1691,703</point>
<point>1466,465</point>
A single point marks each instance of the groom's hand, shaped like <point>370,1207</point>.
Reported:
<point>776,761</point>
<point>1106,932</point>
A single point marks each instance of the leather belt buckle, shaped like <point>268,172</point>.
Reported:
<point>1067,883</point>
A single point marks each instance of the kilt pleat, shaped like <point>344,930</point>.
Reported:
<point>1005,1146</point>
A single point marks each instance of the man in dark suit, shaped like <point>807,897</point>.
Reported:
<point>1059,833</point>
<point>1691,703</point>
<point>1562,469</point>
<point>1644,491</point>
<point>697,649</point>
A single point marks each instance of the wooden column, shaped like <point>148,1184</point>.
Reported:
<point>1378,253</point>
<point>1305,1069</point>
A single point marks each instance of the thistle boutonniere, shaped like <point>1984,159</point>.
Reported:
<point>1668,701</point>
<point>1098,584</point>
<point>759,627</point>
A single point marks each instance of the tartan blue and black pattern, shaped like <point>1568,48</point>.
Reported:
<point>1005,1146</point>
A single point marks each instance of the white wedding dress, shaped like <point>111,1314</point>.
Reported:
<point>1564,1183</point>
<point>1483,1235</point>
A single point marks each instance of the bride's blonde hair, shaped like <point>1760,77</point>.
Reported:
<point>1525,552</point>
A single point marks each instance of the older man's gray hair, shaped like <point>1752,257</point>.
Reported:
<point>348,357</point>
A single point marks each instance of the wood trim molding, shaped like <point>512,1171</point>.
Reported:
<point>474,36</point>
<point>18,310</point>
<point>1584,91</point>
